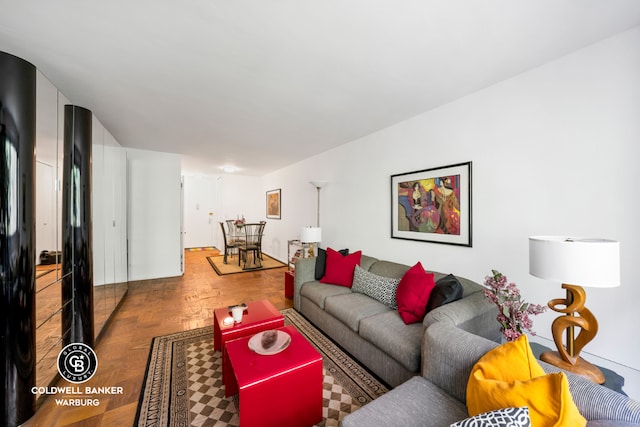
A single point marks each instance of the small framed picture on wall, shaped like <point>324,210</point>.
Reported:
<point>274,203</point>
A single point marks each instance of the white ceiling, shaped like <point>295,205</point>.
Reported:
<point>261,84</point>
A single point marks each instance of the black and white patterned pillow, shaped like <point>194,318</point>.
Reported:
<point>377,287</point>
<point>507,417</point>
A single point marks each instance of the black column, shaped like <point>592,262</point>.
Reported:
<point>17,238</point>
<point>77,253</point>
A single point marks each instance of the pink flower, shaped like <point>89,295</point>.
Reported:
<point>513,313</point>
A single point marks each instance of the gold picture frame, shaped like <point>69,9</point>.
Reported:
<point>274,204</point>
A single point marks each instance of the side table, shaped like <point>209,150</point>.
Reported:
<point>288,283</point>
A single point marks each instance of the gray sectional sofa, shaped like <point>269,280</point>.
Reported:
<point>374,333</point>
<point>437,398</point>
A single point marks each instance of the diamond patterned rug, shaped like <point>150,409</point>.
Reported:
<point>183,384</point>
<point>232,266</point>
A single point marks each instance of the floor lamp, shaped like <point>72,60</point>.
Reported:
<point>313,235</point>
<point>576,262</point>
<point>318,185</point>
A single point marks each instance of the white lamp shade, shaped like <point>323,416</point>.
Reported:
<point>311,235</point>
<point>577,261</point>
<point>317,183</point>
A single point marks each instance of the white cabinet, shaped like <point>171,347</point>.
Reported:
<point>109,214</point>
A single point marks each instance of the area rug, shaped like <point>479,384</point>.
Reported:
<point>183,383</point>
<point>232,267</point>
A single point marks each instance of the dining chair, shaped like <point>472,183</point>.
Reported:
<point>230,243</point>
<point>261,233</point>
<point>231,228</point>
<point>251,244</point>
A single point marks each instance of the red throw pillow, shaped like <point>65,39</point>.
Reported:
<point>339,268</point>
<point>413,293</point>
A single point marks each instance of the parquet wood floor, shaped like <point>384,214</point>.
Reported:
<point>152,308</point>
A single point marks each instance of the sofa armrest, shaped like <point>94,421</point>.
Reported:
<point>449,354</point>
<point>596,402</point>
<point>414,403</point>
<point>305,272</point>
<point>472,313</point>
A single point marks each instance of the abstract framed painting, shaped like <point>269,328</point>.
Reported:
<point>433,205</point>
<point>274,203</point>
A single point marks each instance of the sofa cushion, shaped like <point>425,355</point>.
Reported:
<point>351,308</point>
<point>388,269</point>
<point>367,261</point>
<point>413,294</point>
<point>416,402</point>
<point>339,268</point>
<point>468,286</point>
<point>388,332</point>
<point>318,292</point>
<point>321,262</point>
<point>380,288</point>
<point>509,375</point>
<point>447,289</point>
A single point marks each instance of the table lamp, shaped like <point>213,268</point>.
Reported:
<point>576,262</point>
<point>311,235</point>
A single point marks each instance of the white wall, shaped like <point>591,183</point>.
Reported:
<point>298,204</point>
<point>230,197</point>
<point>240,195</point>
<point>554,151</point>
<point>154,214</point>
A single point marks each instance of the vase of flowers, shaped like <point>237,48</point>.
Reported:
<point>514,314</point>
<point>239,222</point>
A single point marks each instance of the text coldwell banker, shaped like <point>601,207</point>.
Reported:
<point>77,390</point>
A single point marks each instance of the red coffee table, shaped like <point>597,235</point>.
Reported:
<point>283,389</point>
<point>258,316</point>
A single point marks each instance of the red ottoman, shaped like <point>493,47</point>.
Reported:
<point>258,316</point>
<point>283,389</point>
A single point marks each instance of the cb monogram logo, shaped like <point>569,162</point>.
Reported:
<point>77,363</point>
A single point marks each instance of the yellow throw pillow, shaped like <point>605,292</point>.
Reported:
<point>510,376</point>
